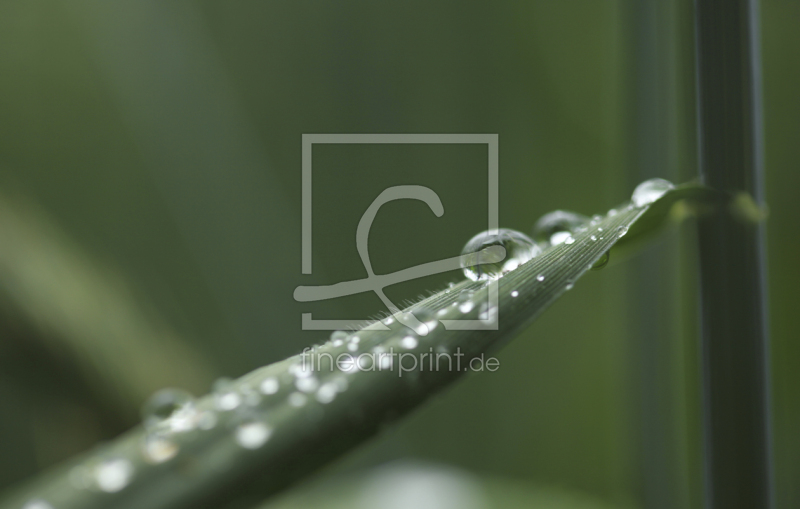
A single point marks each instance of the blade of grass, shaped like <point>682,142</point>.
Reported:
<point>212,465</point>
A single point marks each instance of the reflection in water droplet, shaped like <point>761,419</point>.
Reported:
<point>602,261</point>
<point>556,227</point>
<point>158,448</point>
<point>649,191</point>
<point>515,293</point>
<point>540,277</point>
<point>113,475</point>
<point>170,408</point>
<point>252,434</point>
<point>569,285</point>
<point>621,231</point>
<point>270,386</point>
<point>519,248</point>
<point>225,395</point>
<point>593,238</point>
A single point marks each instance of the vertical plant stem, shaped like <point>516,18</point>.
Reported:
<point>732,260</point>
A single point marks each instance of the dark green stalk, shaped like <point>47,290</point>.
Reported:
<point>732,262</point>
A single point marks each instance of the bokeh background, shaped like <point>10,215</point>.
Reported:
<point>150,199</point>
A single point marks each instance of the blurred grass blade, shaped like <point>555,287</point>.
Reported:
<point>264,432</point>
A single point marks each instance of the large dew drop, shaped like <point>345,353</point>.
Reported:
<point>557,227</point>
<point>169,408</point>
<point>649,191</point>
<point>519,248</point>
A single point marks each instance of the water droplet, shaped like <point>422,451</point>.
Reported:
<point>557,226</point>
<point>602,261</point>
<point>250,396</point>
<point>37,503</point>
<point>593,238</point>
<point>649,191</point>
<point>427,321</point>
<point>352,347</point>
<point>113,475</point>
<point>171,408</point>
<point>327,393</point>
<point>540,278</point>
<point>596,219</point>
<point>599,228</point>
<point>297,399</point>
<point>388,321</point>
<point>569,240</point>
<point>569,285</point>
<point>409,342</point>
<point>465,302</point>
<point>612,212</point>
<point>207,420</point>
<point>252,434</point>
<point>159,448</point>
<point>441,312</point>
<point>225,395</point>
<point>270,385</point>
<point>339,334</point>
<point>621,231</point>
<point>519,248</point>
<point>308,384</point>
<point>487,313</point>
<point>515,293</point>
<point>385,361</point>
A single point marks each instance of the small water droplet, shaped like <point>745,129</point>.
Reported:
<point>339,334</point>
<point>252,434</point>
<point>519,248</point>
<point>352,347</point>
<point>385,361</point>
<point>225,395</point>
<point>250,396</point>
<point>441,312</point>
<point>515,293</point>
<point>569,285</point>
<point>270,385</point>
<point>487,313</point>
<point>409,342</point>
<point>649,191</point>
<point>308,384</point>
<point>159,448</point>
<point>612,212</point>
<point>388,321</point>
<point>297,399</point>
<point>602,261</point>
<point>593,238</point>
<point>556,227</point>
<point>207,420</point>
<point>599,228</point>
<point>596,219</point>
<point>327,393</point>
<point>465,301</point>
<point>621,231</point>
<point>171,408</point>
<point>540,278</point>
<point>113,475</point>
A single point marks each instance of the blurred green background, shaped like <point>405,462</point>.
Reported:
<point>152,152</point>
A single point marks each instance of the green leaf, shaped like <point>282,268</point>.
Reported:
<point>207,466</point>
